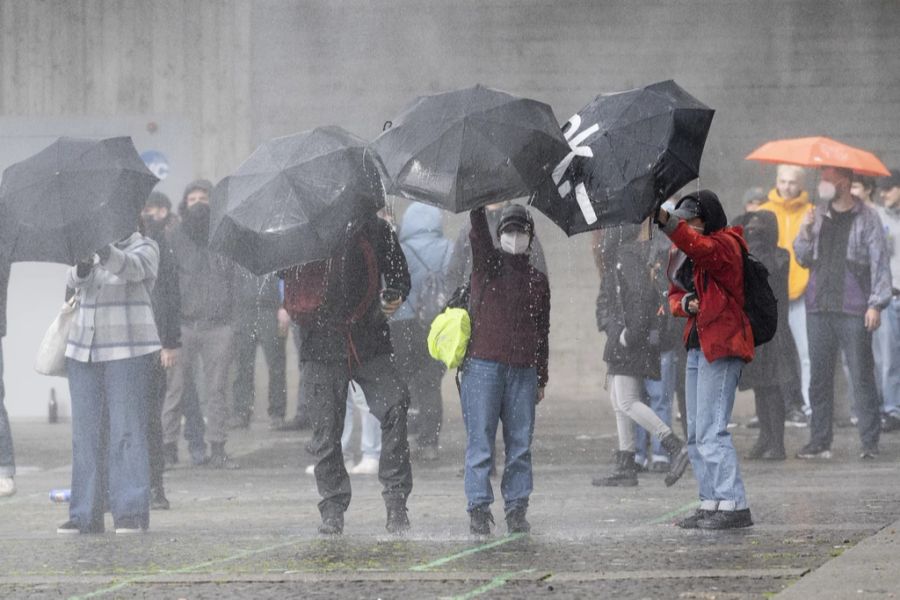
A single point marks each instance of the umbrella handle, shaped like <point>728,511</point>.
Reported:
<point>387,125</point>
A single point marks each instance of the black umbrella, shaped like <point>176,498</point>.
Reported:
<point>463,149</point>
<point>72,198</point>
<point>630,151</point>
<point>295,199</point>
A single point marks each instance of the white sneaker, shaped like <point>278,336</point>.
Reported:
<point>367,466</point>
<point>311,469</point>
<point>7,486</point>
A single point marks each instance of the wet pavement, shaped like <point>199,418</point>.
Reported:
<point>252,532</point>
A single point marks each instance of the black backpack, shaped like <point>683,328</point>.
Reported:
<point>760,304</point>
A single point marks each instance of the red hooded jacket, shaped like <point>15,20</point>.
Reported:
<point>722,325</point>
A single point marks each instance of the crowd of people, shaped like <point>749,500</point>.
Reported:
<point>163,325</point>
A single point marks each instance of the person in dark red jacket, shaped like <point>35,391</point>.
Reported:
<point>708,289</point>
<point>505,371</point>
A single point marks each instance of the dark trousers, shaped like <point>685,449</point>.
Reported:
<point>770,412</point>
<point>324,388</point>
<point>828,333</point>
<point>155,399</point>
<point>422,375</point>
<point>263,333</point>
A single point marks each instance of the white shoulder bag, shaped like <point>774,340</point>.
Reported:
<point>51,356</point>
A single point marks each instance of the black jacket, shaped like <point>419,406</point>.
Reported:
<point>205,281</point>
<point>632,304</point>
<point>4,288</point>
<point>166,297</point>
<point>326,337</point>
<point>257,299</point>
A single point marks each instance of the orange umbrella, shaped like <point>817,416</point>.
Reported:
<point>819,152</point>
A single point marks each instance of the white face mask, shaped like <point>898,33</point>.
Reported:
<point>827,191</point>
<point>515,242</point>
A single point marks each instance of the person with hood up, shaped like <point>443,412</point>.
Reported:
<point>708,289</point>
<point>505,370</point>
<point>632,354</point>
<point>774,374</point>
<point>428,255</point>
<point>789,202</point>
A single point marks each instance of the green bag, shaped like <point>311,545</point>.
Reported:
<point>449,336</point>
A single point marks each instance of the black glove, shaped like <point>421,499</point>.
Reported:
<point>84,267</point>
<point>103,253</point>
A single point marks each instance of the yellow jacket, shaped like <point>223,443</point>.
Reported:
<point>789,214</point>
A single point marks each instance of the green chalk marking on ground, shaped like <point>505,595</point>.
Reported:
<point>689,506</point>
<point>496,582</point>
<point>243,554</point>
<point>475,550</point>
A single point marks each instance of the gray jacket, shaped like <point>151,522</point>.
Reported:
<point>866,249</point>
<point>206,282</point>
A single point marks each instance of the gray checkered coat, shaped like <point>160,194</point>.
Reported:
<point>114,319</point>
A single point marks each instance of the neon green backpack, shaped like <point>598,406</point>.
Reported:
<point>449,336</point>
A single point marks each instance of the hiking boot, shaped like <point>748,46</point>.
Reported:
<point>726,519</point>
<point>813,451</point>
<point>691,521</point>
<point>516,521</point>
<point>170,453</point>
<point>158,500</point>
<point>218,459</point>
<point>332,523</point>
<point>796,418</point>
<point>397,519</point>
<point>480,521</point>
<point>678,458</point>
<point>624,475</point>
<point>890,424</point>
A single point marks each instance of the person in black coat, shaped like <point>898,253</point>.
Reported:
<point>626,312</point>
<point>774,373</point>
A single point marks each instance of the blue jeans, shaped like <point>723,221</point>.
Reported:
<point>109,441</point>
<point>660,391</point>
<point>828,333</point>
<point>709,392</point>
<point>797,323</point>
<point>370,438</point>
<point>886,345</point>
<point>491,392</point>
<point>7,456</point>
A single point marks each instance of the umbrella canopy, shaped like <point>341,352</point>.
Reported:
<point>463,149</point>
<point>295,199</point>
<point>819,152</point>
<point>629,151</point>
<point>72,198</point>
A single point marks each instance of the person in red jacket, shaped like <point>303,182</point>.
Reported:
<point>708,289</point>
<point>505,370</point>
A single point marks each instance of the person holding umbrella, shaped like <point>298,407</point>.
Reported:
<point>708,289</point>
<point>110,353</point>
<point>505,371</point>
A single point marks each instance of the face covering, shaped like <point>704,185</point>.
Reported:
<point>196,223</point>
<point>827,191</point>
<point>515,242</point>
<point>153,227</point>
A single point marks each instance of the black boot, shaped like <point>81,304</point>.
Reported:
<point>397,519</point>
<point>158,500</point>
<point>332,522</point>
<point>678,457</point>
<point>625,474</point>
<point>218,459</point>
<point>516,521</point>
<point>757,451</point>
<point>480,521</point>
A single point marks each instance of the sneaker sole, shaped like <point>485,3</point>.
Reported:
<point>67,531</point>
<point>820,456</point>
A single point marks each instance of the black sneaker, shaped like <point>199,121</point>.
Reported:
<point>813,451</point>
<point>726,519</point>
<point>219,460</point>
<point>480,521</point>
<point>624,475</point>
<point>516,521</point>
<point>795,418</point>
<point>890,424</point>
<point>869,453</point>
<point>397,519</point>
<point>691,521</point>
<point>753,423</point>
<point>332,523</point>
<point>68,528</point>
<point>774,454</point>
<point>757,451</point>
<point>129,525</point>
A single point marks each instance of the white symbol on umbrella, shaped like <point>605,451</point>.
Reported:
<point>581,195</point>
